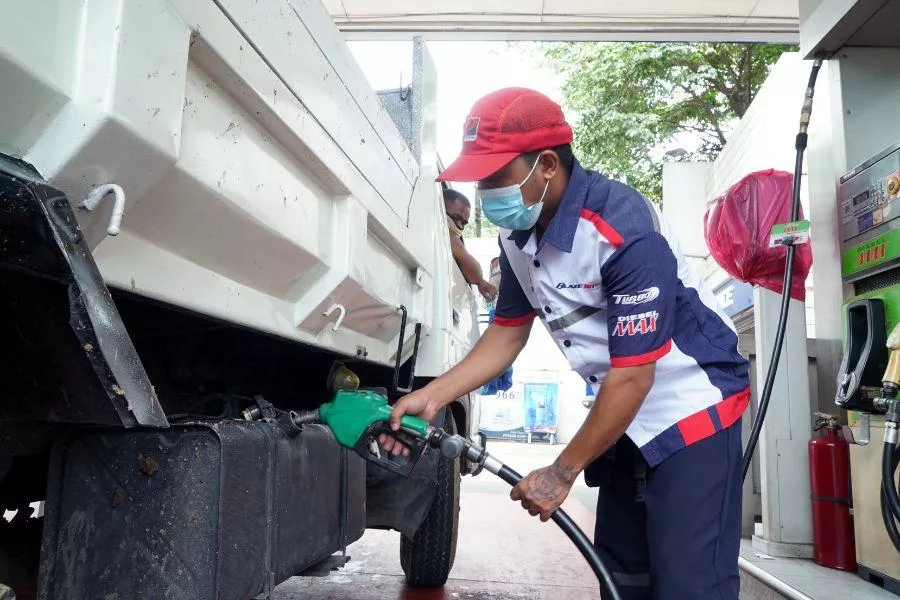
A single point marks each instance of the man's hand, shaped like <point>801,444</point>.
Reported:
<point>488,290</point>
<point>543,491</point>
<point>420,403</point>
<point>492,355</point>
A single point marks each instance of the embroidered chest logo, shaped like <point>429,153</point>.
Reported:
<point>577,286</point>
<point>638,324</point>
<point>641,297</point>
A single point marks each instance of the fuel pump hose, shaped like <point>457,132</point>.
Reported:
<point>890,499</point>
<point>788,282</point>
<point>581,541</point>
<point>890,461</point>
<point>455,445</point>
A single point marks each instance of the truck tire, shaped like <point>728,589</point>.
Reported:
<point>428,557</point>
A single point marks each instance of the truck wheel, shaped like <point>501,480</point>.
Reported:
<point>428,557</point>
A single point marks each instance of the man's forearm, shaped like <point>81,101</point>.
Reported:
<point>491,356</point>
<point>620,396</point>
<point>471,270</point>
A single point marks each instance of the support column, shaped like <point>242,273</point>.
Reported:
<point>783,451</point>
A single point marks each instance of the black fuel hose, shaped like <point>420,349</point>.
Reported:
<point>578,538</point>
<point>890,524</point>
<point>889,461</point>
<point>788,281</point>
<point>890,457</point>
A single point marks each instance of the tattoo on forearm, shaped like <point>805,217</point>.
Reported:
<point>567,473</point>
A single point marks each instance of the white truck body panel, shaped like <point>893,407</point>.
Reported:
<point>264,182</point>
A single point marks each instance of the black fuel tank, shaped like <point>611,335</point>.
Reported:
<point>202,511</point>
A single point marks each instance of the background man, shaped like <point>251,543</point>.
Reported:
<point>459,209</point>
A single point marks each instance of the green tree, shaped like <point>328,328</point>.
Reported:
<point>635,99</point>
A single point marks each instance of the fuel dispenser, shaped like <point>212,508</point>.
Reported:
<point>869,375</point>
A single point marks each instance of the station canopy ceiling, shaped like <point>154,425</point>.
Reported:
<point>624,20</point>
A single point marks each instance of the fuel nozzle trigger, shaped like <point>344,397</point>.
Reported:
<point>368,447</point>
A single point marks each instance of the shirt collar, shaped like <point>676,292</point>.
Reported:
<point>520,237</point>
<point>561,231</point>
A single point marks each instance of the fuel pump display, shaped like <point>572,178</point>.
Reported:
<point>869,376</point>
<point>867,200</point>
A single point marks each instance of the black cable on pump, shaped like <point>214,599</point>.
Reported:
<point>787,284</point>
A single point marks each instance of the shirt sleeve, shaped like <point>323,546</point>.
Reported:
<point>640,281</point>
<point>513,307</point>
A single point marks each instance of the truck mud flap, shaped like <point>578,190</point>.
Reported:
<point>213,510</point>
<point>65,352</point>
<point>402,503</point>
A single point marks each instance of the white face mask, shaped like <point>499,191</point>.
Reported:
<point>505,207</point>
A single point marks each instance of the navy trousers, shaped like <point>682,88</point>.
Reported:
<point>671,532</point>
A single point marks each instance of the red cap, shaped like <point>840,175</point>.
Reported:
<point>503,125</point>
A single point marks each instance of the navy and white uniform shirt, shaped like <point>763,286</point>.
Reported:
<point>610,283</point>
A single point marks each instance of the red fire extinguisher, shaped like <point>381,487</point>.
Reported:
<point>829,479</point>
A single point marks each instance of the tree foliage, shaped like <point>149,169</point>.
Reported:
<point>634,101</point>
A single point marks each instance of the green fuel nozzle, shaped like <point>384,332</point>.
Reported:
<point>358,417</point>
<point>352,412</point>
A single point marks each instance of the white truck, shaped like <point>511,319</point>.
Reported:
<point>205,209</point>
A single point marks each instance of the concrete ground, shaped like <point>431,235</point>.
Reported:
<point>502,553</point>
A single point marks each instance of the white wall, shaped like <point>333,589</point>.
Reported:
<point>541,360</point>
<point>685,205</point>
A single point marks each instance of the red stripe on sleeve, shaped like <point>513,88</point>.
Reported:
<point>514,321</point>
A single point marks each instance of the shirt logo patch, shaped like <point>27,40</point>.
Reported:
<point>648,295</point>
<point>638,324</point>
<point>470,130</point>
<point>577,286</point>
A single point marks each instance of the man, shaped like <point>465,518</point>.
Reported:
<point>458,212</point>
<point>597,263</point>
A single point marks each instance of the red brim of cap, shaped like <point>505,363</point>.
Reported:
<point>475,167</point>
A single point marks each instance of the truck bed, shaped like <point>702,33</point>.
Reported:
<point>265,185</point>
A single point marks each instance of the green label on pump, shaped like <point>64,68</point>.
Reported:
<point>786,234</point>
<point>870,253</point>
